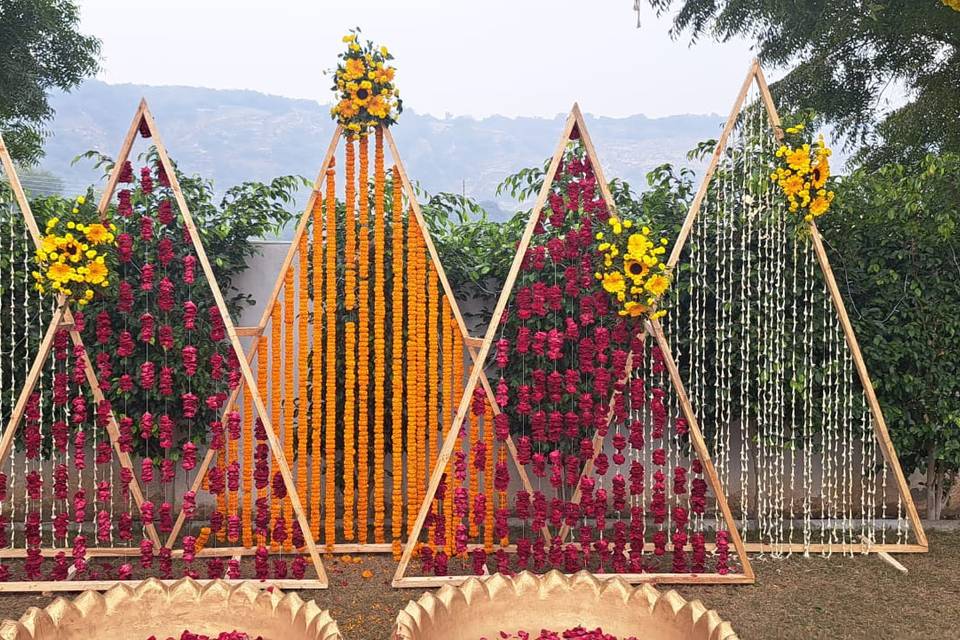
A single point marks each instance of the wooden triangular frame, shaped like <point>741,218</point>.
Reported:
<point>257,331</point>
<point>62,319</point>
<point>652,327</point>
<point>755,75</point>
<point>62,316</point>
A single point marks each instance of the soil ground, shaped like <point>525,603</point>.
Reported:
<point>836,598</point>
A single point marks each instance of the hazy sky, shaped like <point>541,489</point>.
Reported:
<point>512,57</point>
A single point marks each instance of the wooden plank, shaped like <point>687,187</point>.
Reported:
<point>248,377</point>
<point>249,331</point>
<point>18,193</point>
<point>711,168</point>
<point>453,432</point>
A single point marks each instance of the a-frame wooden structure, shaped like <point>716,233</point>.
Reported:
<point>755,78</point>
<point>324,190</point>
<point>651,329</point>
<point>143,123</point>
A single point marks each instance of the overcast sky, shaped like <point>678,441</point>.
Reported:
<point>509,57</point>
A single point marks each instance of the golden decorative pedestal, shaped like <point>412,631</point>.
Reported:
<point>481,608</point>
<point>152,608</point>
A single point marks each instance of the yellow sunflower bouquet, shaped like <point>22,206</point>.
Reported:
<point>363,81</point>
<point>75,253</point>
<point>801,173</point>
<point>632,269</point>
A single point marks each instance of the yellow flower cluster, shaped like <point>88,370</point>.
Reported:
<point>802,175</point>
<point>366,95</point>
<point>953,4</point>
<point>72,257</point>
<point>633,271</point>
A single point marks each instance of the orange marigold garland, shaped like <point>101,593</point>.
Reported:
<point>363,347</point>
<point>349,427</point>
<point>413,374</point>
<point>330,408</point>
<point>379,339</point>
<point>447,357</point>
<point>262,388</point>
<point>303,364</point>
<point>350,232</point>
<point>316,389</point>
<point>456,393</point>
<point>248,467</point>
<point>398,245</point>
<point>276,391</point>
<point>433,368</point>
<point>288,389</point>
<point>488,477</point>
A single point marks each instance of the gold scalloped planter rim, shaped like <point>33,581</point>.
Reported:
<point>136,612</point>
<point>483,607</point>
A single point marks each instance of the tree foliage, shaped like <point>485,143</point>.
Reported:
<point>41,49</point>
<point>845,56</point>
<point>895,247</point>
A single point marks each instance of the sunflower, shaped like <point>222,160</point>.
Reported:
<point>48,243</point>
<point>635,269</point>
<point>97,233</point>
<point>70,249</point>
<point>820,171</point>
<point>361,95</point>
<point>613,282</point>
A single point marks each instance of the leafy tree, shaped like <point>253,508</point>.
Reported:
<point>894,243</point>
<point>845,55</point>
<point>41,49</point>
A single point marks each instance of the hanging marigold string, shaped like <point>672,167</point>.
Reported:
<point>379,339</point>
<point>276,391</point>
<point>413,372</point>
<point>447,355</point>
<point>316,378</point>
<point>288,387</point>
<point>349,427</point>
<point>423,446</point>
<point>433,365</point>
<point>488,477</point>
<point>471,426</point>
<point>363,345</point>
<point>330,408</point>
<point>398,245</point>
<point>248,467</point>
<point>262,388</point>
<point>350,233</point>
<point>455,394</point>
<point>303,364</point>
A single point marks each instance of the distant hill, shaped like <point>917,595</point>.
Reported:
<point>232,136</point>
